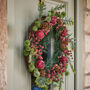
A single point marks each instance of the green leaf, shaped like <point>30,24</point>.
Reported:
<point>48,81</point>
<point>63,14</point>
<point>31,67</point>
<point>32,51</point>
<point>37,23</point>
<point>52,12</point>
<point>26,53</point>
<point>35,28</point>
<point>66,73</point>
<point>41,81</point>
<point>66,66</point>
<point>49,14</point>
<point>27,48</point>
<point>36,72</point>
<point>48,19</point>
<point>45,88</point>
<point>55,84</point>
<point>30,58</point>
<point>59,75</point>
<point>72,68</point>
<point>26,43</point>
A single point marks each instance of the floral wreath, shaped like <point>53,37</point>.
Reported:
<point>46,71</point>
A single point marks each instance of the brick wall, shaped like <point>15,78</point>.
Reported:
<point>3,44</point>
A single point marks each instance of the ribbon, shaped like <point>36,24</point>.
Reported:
<point>36,88</point>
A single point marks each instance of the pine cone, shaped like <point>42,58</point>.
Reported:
<point>43,17</point>
<point>62,46</point>
<point>42,73</point>
<point>45,25</point>
<point>27,59</point>
<point>59,21</point>
<point>35,49</point>
<point>66,42</point>
<point>57,68</point>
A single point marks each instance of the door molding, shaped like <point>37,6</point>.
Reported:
<point>79,55</point>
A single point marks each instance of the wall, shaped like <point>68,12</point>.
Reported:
<point>3,44</point>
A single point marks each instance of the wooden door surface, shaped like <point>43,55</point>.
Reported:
<point>21,13</point>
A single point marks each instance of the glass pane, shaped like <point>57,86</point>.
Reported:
<point>87,64</point>
<point>87,43</point>
<point>88,4</point>
<point>87,81</point>
<point>87,21</point>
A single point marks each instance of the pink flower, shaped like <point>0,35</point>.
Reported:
<point>64,59</point>
<point>40,64</point>
<point>48,75</point>
<point>64,33</point>
<point>51,79</point>
<point>40,57</point>
<point>40,34</point>
<point>54,20</point>
<point>47,32</point>
<point>55,65</point>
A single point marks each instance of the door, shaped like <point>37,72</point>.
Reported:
<point>21,13</point>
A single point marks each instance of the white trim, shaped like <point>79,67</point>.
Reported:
<point>79,45</point>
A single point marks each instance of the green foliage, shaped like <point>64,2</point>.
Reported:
<point>26,43</point>
<point>26,53</point>
<point>72,67</point>
<point>36,72</point>
<point>41,81</point>
<point>59,7</point>
<point>37,23</point>
<point>67,73</point>
<point>48,19</point>
<point>49,14</point>
<point>63,14</point>
<point>31,67</point>
<point>41,8</point>
<point>55,84</point>
<point>27,48</point>
<point>45,88</point>
<point>30,58</point>
<point>35,28</point>
<point>48,82</point>
<point>68,21</point>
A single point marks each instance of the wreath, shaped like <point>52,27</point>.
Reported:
<point>45,69</point>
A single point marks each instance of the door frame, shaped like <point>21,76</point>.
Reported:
<point>79,51</point>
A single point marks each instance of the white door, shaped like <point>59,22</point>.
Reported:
<point>21,13</point>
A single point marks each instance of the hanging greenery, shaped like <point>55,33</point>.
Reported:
<point>49,70</point>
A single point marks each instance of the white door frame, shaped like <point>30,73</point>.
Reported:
<point>79,55</point>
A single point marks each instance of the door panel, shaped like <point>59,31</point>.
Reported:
<point>21,13</point>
